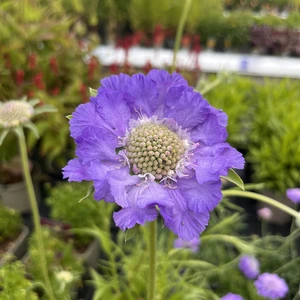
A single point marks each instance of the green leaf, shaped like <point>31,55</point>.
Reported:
<point>131,232</point>
<point>33,128</point>
<point>69,117</point>
<point>234,178</point>
<point>93,92</point>
<point>34,102</point>
<point>3,135</point>
<point>47,108</point>
<point>90,190</point>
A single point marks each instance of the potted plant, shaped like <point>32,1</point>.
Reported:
<point>13,191</point>
<point>274,139</point>
<point>65,207</point>
<point>14,284</point>
<point>30,68</point>
<point>13,234</point>
<point>65,268</point>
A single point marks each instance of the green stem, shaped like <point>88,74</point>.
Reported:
<point>35,211</point>
<point>262,198</point>
<point>152,261</point>
<point>180,31</point>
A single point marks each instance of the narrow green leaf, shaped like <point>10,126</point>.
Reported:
<point>93,92</point>
<point>3,135</point>
<point>234,178</point>
<point>131,232</point>
<point>90,190</point>
<point>47,108</point>
<point>69,117</point>
<point>34,102</point>
<point>33,128</point>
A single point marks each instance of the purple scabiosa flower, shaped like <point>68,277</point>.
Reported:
<point>293,195</point>
<point>249,265</point>
<point>231,296</point>
<point>271,286</point>
<point>193,244</point>
<point>152,145</point>
<point>265,213</point>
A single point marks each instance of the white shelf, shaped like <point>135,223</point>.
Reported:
<point>211,62</point>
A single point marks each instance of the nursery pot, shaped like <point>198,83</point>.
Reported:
<point>15,196</point>
<point>91,254</point>
<point>278,216</point>
<point>18,247</point>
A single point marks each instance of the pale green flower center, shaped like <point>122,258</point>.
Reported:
<point>155,149</point>
<point>14,113</point>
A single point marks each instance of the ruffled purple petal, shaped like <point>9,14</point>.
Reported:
<point>210,131</point>
<point>121,182</point>
<point>210,162</point>
<point>132,191</point>
<point>200,198</point>
<point>142,94</point>
<point>130,216</point>
<point>98,173</point>
<point>97,143</point>
<point>84,116</point>
<point>76,171</point>
<point>114,111</point>
<point>113,83</point>
<point>209,169</point>
<point>164,82</point>
<point>181,220</point>
<point>189,110</point>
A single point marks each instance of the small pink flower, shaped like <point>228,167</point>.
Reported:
<point>265,213</point>
<point>293,195</point>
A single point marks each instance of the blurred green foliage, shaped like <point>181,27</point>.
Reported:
<point>61,258</point>
<point>274,134</point>
<point>13,283</point>
<point>208,274</point>
<point>43,55</point>
<point>10,224</point>
<point>65,206</point>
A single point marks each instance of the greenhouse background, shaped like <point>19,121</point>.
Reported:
<point>60,57</point>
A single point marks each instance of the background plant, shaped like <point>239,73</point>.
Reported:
<point>10,223</point>
<point>60,256</point>
<point>184,275</point>
<point>44,55</point>
<point>234,98</point>
<point>64,206</point>
<point>14,284</point>
<point>274,139</point>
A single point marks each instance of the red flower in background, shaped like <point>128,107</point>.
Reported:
<point>53,65</point>
<point>19,77</point>
<point>38,81</point>
<point>114,68</point>
<point>32,59</point>
<point>92,66</point>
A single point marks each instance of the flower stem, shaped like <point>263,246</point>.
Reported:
<point>35,211</point>
<point>179,31</point>
<point>152,261</point>
<point>262,198</point>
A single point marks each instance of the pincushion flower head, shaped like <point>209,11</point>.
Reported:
<point>232,296</point>
<point>271,286</point>
<point>249,265</point>
<point>16,113</point>
<point>293,195</point>
<point>192,245</point>
<point>153,145</point>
